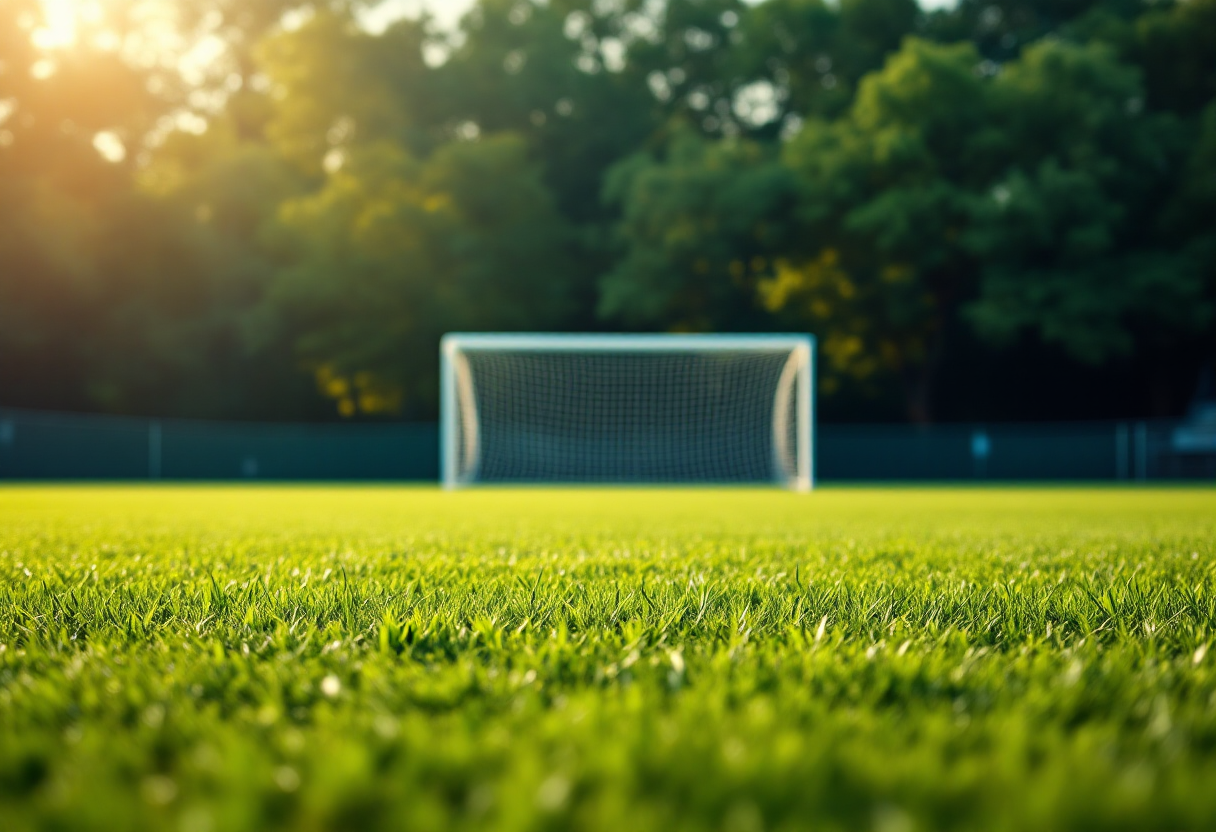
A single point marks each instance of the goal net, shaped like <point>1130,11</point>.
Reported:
<point>626,409</point>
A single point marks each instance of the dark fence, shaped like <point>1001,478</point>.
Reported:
<point>1058,451</point>
<point>60,446</point>
<point>44,446</point>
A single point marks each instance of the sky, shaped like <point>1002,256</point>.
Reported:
<point>447,12</point>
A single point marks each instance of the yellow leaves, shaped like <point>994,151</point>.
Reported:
<point>822,286</point>
<point>846,353</point>
<point>823,291</point>
<point>775,292</point>
<point>377,397</point>
<point>336,387</point>
<point>364,393</point>
<point>435,203</point>
<point>379,403</point>
<point>840,349</point>
<point>840,306</point>
<point>810,281</point>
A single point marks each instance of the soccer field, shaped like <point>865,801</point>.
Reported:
<point>215,659</point>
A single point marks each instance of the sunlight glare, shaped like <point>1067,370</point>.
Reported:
<point>68,23</point>
<point>110,146</point>
<point>59,24</point>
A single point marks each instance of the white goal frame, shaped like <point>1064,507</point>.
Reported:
<point>457,385</point>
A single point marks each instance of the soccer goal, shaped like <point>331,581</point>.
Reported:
<point>535,408</point>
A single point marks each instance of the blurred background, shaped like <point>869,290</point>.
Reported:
<point>270,210</point>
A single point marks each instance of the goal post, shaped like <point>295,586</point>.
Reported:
<point>627,409</point>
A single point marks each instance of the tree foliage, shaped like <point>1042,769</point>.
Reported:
<point>1072,240</point>
<point>220,208</point>
<point>392,252</point>
<point>700,221</point>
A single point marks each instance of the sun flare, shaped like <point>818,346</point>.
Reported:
<point>60,23</point>
<point>149,33</point>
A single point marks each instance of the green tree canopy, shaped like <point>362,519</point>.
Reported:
<point>885,196</point>
<point>1072,238</point>
<point>699,224</point>
<point>1028,198</point>
<point>394,251</point>
<point>208,206</point>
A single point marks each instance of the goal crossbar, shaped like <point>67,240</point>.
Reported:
<point>557,342</point>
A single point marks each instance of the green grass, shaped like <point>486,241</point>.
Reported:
<point>223,659</point>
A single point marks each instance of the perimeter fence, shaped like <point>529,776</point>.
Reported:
<point>57,446</point>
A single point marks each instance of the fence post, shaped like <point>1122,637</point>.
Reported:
<point>154,449</point>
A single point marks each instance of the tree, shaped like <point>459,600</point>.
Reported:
<point>1071,238</point>
<point>393,251</point>
<point>179,236</point>
<point>687,52</point>
<point>700,223</point>
<point>57,108</point>
<point>815,53</point>
<point>556,74</point>
<point>886,195</point>
<point>1000,29</point>
<point>1027,201</point>
<point>337,86</point>
<point>185,320</point>
<point>1176,46</point>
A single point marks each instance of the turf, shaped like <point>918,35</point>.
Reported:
<point>223,659</point>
